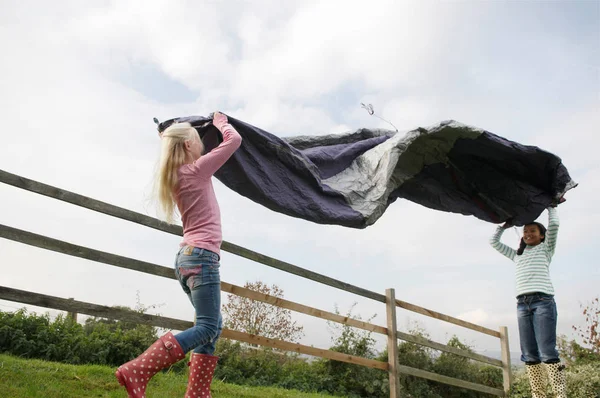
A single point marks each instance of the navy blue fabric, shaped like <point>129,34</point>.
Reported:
<point>489,177</point>
<point>269,171</point>
<point>492,178</point>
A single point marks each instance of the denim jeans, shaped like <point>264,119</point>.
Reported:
<point>198,273</point>
<point>537,317</point>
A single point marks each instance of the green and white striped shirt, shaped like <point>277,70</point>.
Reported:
<point>533,266</point>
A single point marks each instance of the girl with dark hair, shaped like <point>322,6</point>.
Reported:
<point>536,308</point>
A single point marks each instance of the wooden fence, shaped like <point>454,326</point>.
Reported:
<point>392,366</point>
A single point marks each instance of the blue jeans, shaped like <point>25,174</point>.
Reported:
<point>198,273</point>
<point>537,317</point>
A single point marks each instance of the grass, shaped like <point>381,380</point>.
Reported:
<point>20,378</point>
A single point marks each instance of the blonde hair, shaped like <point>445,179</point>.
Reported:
<point>172,157</point>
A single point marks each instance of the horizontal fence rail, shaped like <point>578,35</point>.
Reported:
<point>70,305</point>
<point>446,318</point>
<point>449,380</point>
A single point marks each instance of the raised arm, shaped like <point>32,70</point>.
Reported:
<point>552,231</point>
<point>209,163</point>
<point>501,247</point>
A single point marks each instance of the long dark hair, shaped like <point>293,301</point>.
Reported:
<point>542,230</point>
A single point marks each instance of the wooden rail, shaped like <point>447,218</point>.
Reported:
<point>446,318</point>
<point>450,380</point>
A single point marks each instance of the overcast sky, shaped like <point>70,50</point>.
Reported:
<point>81,81</point>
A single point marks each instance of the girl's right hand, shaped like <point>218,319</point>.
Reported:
<point>507,224</point>
<point>219,120</point>
<point>557,202</point>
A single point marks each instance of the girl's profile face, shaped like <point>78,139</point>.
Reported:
<point>532,235</point>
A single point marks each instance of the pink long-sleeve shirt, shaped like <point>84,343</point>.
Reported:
<point>196,198</point>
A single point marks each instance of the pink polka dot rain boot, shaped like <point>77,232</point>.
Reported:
<point>135,374</point>
<point>202,368</point>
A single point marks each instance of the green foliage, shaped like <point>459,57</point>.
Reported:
<point>589,332</point>
<point>582,372</point>
<point>464,369</point>
<point>420,357</point>
<point>348,379</point>
<point>242,364</point>
<point>572,352</point>
<point>97,342</point>
<point>583,381</point>
<point>35,336</point>
<point>101,341</point>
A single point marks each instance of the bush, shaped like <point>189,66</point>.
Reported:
<point>241,364</point>
<point>446,364</point>
<point>352,380</point>
<point>572,352</point>
<point>33,336</point>
<point>583,381</point>
<point>464,369</point>
<point>99,342</point>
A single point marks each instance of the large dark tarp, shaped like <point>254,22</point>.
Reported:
<point>350,179</point>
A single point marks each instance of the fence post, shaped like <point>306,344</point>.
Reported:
<point>72,315</point>
<point>506,365</point>
<point>390,304</point>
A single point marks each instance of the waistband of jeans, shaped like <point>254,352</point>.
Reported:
<point>534,294</point>
<point>201,252</point>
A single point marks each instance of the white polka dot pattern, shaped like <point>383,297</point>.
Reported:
<point>128,376</point>
<point>202,369</point>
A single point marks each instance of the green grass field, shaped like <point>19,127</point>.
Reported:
<point>20,378</point>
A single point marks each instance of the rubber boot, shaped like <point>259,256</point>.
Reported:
<point>202,369</point>
<point>135,374</point>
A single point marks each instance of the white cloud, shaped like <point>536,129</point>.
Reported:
<point>478,316</point>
